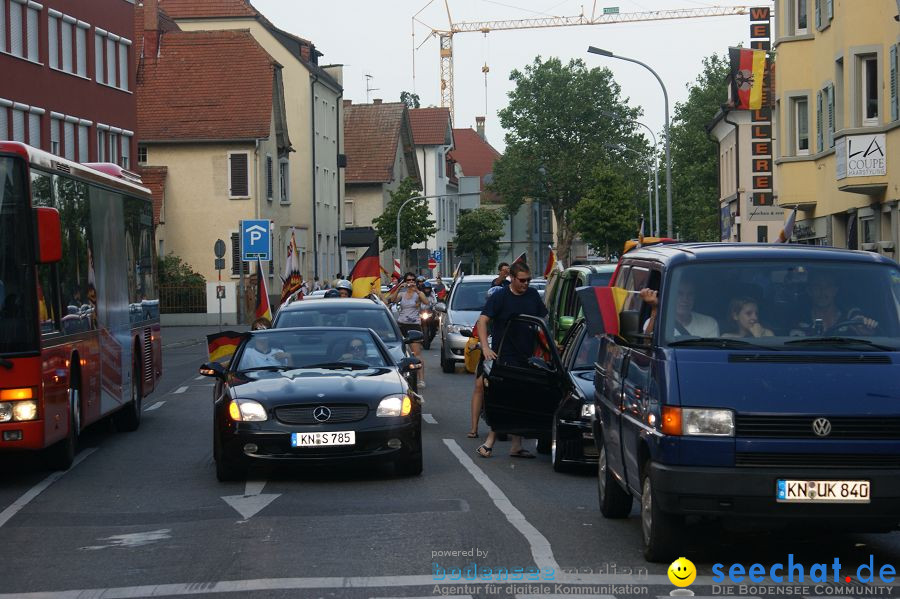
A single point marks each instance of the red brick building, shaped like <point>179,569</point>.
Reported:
<point>68,73</point>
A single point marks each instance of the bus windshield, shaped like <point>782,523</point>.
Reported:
<point>17,305</point>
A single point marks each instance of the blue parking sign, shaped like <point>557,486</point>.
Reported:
<point>255,240</point>
<point>438,255</point>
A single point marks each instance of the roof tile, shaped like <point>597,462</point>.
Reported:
<point>371,135</point>
<point>429,125</point>
<point>195,9</point>
<point>474,155</point>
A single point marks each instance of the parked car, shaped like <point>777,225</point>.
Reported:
<point>796,421</point>
<point>540,285</point>
<point>458,316</point>
<point>317,396</point>
<point>562,302</point>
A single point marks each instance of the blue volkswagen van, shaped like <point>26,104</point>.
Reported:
<point>765,385</point>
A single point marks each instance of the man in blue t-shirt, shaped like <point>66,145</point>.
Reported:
<point>501,307</point>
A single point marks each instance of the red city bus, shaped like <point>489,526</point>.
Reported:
<point>79,311</point>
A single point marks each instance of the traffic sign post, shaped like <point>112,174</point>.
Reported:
<point>219,251</point>
<point>438,256</point>
<point>256,242</point>
<point>432,263</point>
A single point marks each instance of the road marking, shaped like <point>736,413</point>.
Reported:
<point>136,539</point>
<point>288,584</point>
<point>251,502</point>
<point>540,546</point>
<point>39,488</point>
<point>200,378</point>
<point>155,406</point>
<point>180,390</point>
<point>429,419</point>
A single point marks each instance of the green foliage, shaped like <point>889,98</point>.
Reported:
<point>608,216</point>
<point>415,223</point>
<point>410,99</point>
<point>478,233</point>
<point>556,133</point>
<point>173,271</point>
<point>695,159</point>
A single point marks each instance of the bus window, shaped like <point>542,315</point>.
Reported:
<point>74,211</point>
<point>17,332</point>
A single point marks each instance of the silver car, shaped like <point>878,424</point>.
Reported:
<point>458,317</point>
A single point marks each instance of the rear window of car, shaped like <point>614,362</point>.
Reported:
<point>599,279</point>
<point>470,297</point>
<point>377,319</point>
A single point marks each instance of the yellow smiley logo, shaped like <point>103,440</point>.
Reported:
<point>682,572</point>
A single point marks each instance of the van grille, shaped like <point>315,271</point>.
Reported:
<point>304,414</point>
<point>801,427</point>
<point>857,461</point>
<point>810,358</point>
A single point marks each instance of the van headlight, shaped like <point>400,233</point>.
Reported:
<point>247,410</point>
<point>697,422</point>
<point>587,410</point>
<point>394,405</point>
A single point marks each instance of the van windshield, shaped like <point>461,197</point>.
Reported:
<point>817,304</point>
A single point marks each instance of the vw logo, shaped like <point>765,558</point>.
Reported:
<point>322,414</point>
<point>822,427</point>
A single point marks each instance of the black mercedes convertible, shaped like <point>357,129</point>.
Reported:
<point>316,396</point>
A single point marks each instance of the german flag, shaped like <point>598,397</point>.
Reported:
<point>748,67</point>
<point>523,258</point>
<point>366,273</point>
<point>263,310</point>
<point>602,306</point>
<point>551,264</point>
<point>221,346</point>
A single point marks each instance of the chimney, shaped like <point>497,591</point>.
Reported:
<point>479,126</point>
<point>348,103</point>
<point>376,100</point>
<point>151,29</point>
<point>304,52</point>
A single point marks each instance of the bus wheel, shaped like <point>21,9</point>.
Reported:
<point>128,419</point>
<point>61,455</point>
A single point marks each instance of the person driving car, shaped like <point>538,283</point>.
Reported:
<point>356,350</point>
<point>823,312</point>
<point>260,353</point>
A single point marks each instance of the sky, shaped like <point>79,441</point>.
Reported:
<point>375,37</point>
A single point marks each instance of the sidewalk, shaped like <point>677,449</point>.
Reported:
<point>176,337</point>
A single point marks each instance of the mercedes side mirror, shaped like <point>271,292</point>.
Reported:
<point>407,365</point>
<point>213,369</point>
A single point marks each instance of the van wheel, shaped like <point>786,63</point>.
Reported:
<point>128,419</point>
<point>615,502</point>
<point>659,530</point>
<point>61,455</point>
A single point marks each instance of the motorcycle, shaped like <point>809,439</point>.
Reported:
<point>429,326</point>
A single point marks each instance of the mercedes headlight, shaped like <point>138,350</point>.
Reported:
<point>246,410</point>
<point>394,405</point>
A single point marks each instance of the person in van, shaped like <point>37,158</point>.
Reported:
<point>744,314</point>
<point>687,322</point>
<point>824,312</point>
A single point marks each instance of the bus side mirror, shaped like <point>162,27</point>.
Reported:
<point>49,247</point>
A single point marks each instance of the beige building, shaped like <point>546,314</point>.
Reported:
<point>837,127</point>
<point>314,117</point>
<point>380,154</point>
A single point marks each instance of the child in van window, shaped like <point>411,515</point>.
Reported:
<point>744,315</point>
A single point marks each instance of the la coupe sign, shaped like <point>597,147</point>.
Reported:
<point>861,156</point>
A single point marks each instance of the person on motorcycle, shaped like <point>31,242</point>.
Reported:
<point>429,322</point>
<point>345,288</point>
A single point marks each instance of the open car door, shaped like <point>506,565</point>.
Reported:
<point>526,382</point>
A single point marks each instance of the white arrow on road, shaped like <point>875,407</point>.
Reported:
<point>252,501</point>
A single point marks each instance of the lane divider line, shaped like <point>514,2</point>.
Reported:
<point>39,488</point>
<point>155,406</point>
<point>179,390</point>
<point>429,419</point>
<point>540,546</point>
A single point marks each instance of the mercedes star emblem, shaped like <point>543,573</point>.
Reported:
<point>822,427</point>
<point>322,414</point>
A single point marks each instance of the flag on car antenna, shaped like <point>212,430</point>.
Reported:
<point>221,346</point>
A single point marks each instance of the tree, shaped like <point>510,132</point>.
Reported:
<point>556,133</point>
<point>608,216</point>
<point>416,225</point>
<point>478,233</point>
<point>175,272</point>
<point>410,99</point>
<point>695,159</point>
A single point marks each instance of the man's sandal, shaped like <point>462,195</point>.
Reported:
<point>484,451</point>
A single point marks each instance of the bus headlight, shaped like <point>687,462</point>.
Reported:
<point>18,411</point>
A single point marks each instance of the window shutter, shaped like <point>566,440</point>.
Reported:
<point>15,29</point>
<point>269,176</point>
<point>69,140</point>
<point>829,9</point>
<point>53,41</point>
<point>110,62</point>
<point>83,143</point>
<point>98,58</point>
<point>895,84</point>
<point>126,151</point>
<point>18,125</point>
<point>235,254</point>
<point>830,101</point>
<point>3,28</point>
<point>32,16</point>
<point>4,121</point>
<point>819,136</point>
<point>123,66</point>
<point>54,136</point>
<point>239,182</point>
<point>67,47</point>
<point>34,129</point>
<point>81,50</point>
<point>818,14</point>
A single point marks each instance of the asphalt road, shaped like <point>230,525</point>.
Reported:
<point>142,515</point>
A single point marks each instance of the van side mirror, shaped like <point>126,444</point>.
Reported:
<point>49,231</point>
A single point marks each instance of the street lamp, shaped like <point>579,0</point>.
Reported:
<point>649,193</point>
<point>609,54</point>
<point>439,195</point>
<point>613,115</point>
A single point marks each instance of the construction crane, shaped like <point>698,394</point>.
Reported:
<point>608,16</point>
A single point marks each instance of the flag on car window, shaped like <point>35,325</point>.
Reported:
<point>221,346</point>
<point>788,230</point>
<point>366,273</point>
<point>602,306</point>
<point>748,68</point>
<point>263,310</point>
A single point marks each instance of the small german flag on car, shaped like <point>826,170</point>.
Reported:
<point>222,345</point>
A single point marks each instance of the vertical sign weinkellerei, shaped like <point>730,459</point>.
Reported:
<point>761,118</point>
